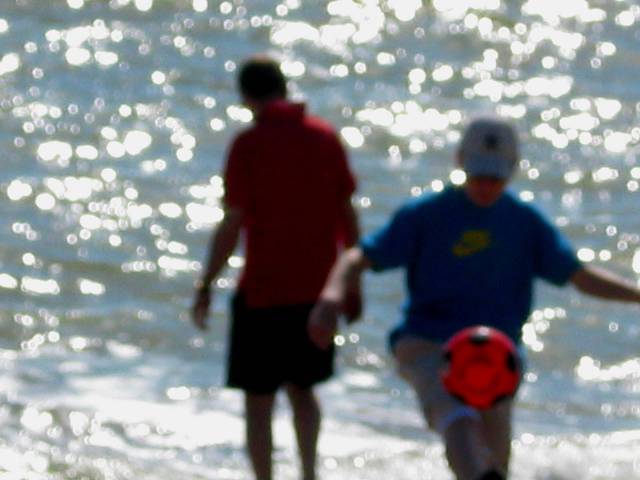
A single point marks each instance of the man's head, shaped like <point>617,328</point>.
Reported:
<point>260,80</point>
<point>488,154</point>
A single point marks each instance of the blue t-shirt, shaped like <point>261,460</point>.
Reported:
<point>467,265</point>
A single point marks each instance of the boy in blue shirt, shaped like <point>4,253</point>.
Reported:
<point>471,254</point>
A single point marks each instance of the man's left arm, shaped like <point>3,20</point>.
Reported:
<point>351,225</point>
<point>352,303</point>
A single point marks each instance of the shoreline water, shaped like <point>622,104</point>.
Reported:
<point>116,116</point>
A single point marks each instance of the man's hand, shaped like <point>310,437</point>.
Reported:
<point>223,242</point>
<point>200,309</point>
<point>323,322</point>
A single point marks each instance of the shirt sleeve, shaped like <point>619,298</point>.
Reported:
<point>555,260</point>
<point>395,244</point>
<point>236,177</point>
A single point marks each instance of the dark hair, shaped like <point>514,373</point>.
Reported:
<point>261,79</point>
<point>491,141</point>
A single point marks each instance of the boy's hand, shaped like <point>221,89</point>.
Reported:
<point>200,309</point>
<point>323,322</point>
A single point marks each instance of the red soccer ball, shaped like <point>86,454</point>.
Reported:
<point>482,366</point>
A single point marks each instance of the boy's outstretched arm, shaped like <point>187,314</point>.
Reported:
<point>223,243</point>
<point>603,284</point>
<point>337,296</point>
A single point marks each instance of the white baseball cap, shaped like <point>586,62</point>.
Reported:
<point>489,147</point>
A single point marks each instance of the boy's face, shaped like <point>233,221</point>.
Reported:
<point>485,191</point>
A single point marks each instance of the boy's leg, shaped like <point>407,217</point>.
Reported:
<point>480,444</point>
<point>497,431</point>
<point>466,454</point>
<point>462,428</point>
<point>306,419</point>
<point>258,413</point>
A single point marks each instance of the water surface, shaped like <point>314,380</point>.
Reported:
<point>116,116</point>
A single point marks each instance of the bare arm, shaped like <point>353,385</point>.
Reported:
<point>343,279</point>
<point>351,224</point>
<point>223,243</point>
<point>603,284</point>
<point>352,302</point>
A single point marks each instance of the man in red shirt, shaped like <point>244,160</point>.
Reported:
<point>288,189</point>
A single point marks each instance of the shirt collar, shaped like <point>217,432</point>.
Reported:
<point>282,110</point>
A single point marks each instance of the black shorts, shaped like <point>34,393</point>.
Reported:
<point>270,347</point>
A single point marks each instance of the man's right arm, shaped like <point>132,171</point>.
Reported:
<point>223,243</point>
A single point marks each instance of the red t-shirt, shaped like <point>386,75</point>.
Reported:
<point>290,177</point>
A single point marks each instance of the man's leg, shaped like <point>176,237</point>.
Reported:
<point>306,419</point>
<point>258,413</point>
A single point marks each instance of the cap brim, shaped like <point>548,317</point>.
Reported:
<point>487,166</point>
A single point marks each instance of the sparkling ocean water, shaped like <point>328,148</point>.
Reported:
<point>115,117</point>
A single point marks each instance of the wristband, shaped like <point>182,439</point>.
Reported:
<point>202,286</point>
